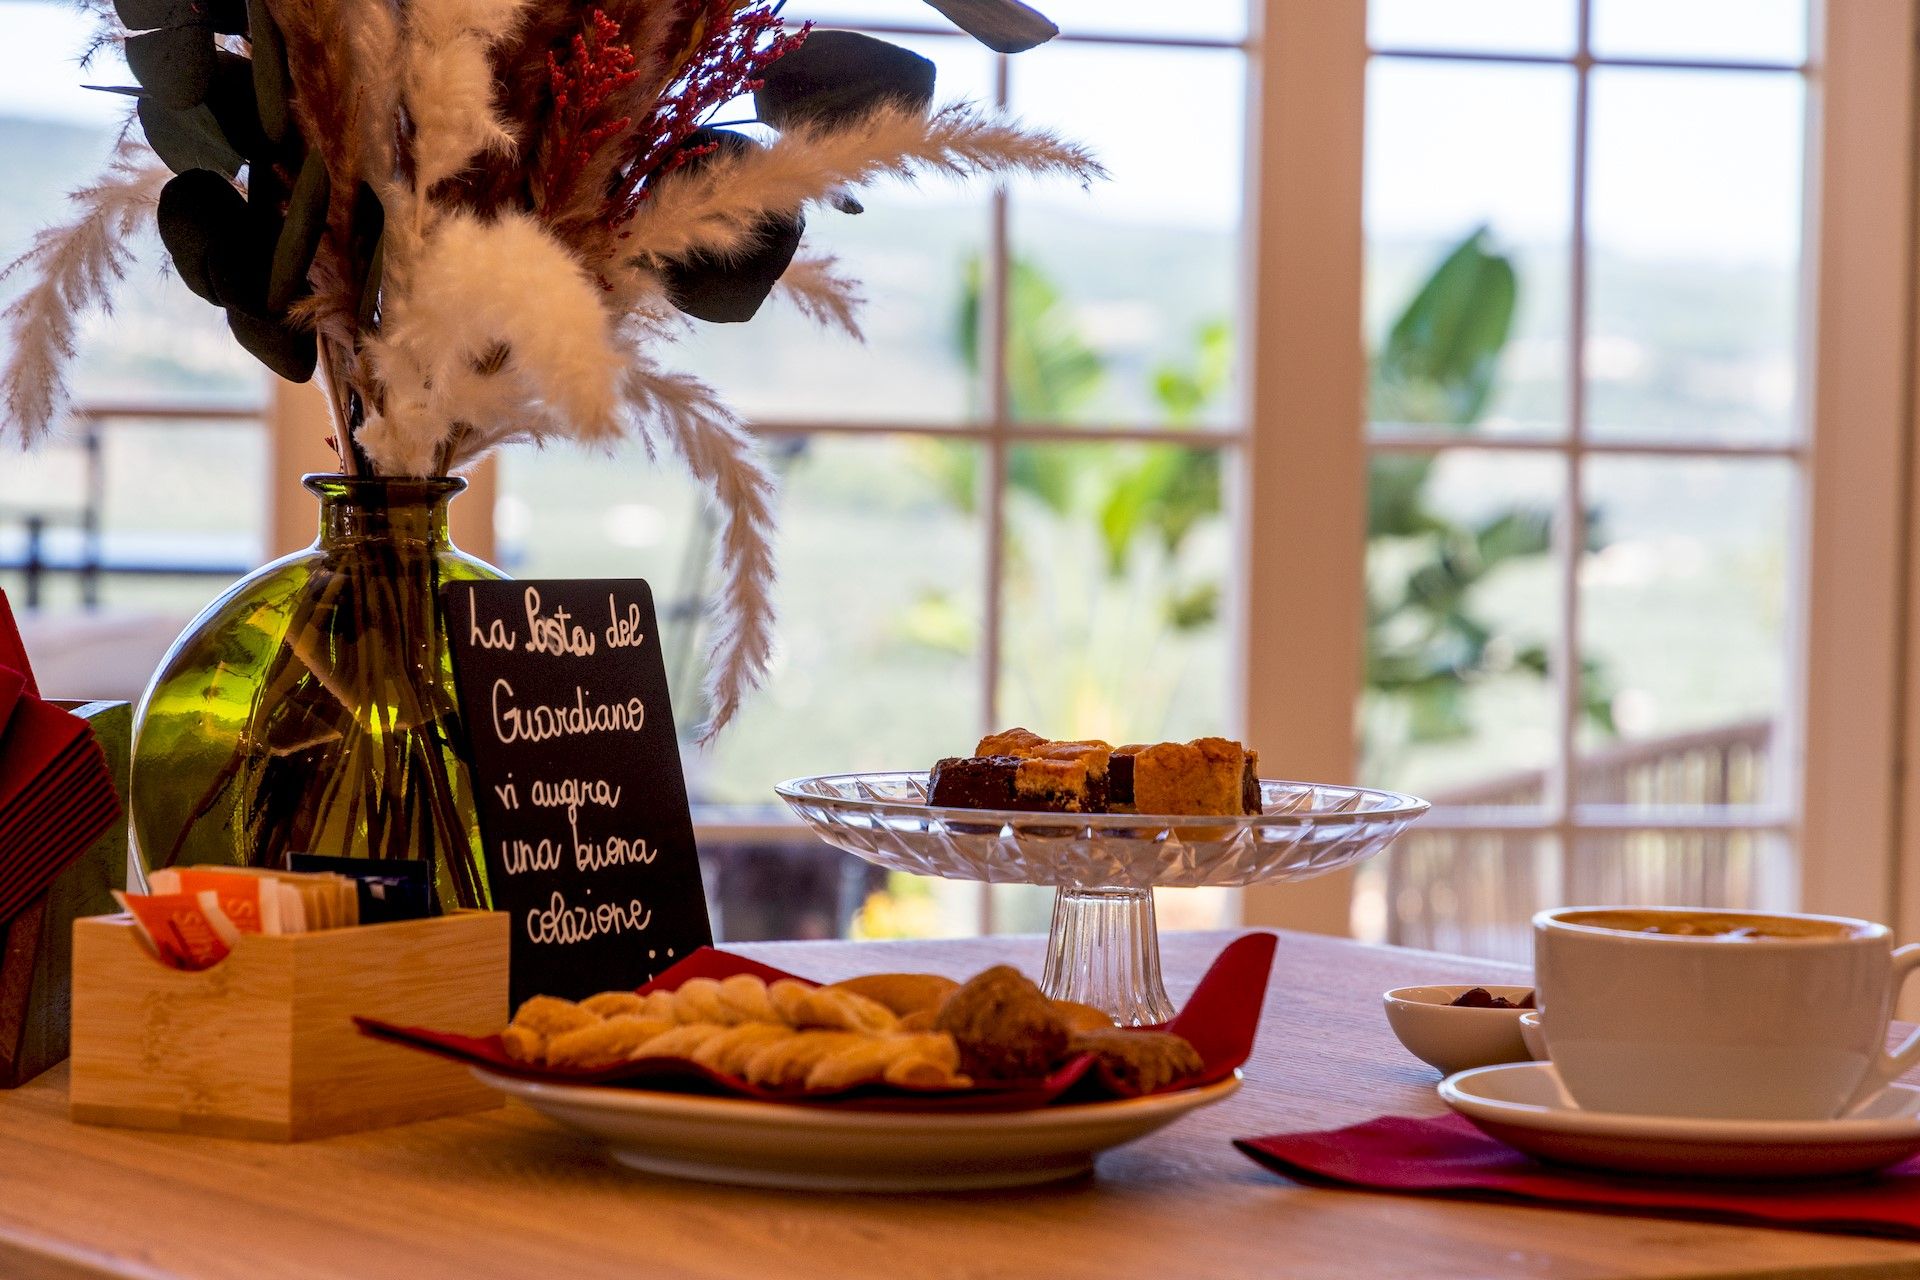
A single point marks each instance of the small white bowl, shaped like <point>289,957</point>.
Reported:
<point>1454,1039</point>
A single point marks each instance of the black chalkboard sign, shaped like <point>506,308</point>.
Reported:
<point>576,775</point>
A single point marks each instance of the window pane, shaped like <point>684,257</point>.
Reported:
<point>1116,561</point>
<point>145,529</point>
<point>1452,148</point>
<point>161,343</point>
<point>1471,893</point>
<point>1191,19</point>
<point>1195,19</point>
<point>1683,621</point>
<point>1461,585</point>
<point>1739,870</point>
<point>1756,30</point>
<point>1487,26</point>
<point>911,251</point>
<point>1695,221</point>
<point>1122,297</point>
<point>876,665</point>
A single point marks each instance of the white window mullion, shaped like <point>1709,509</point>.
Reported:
<point>1570,528</point>
<point>1301,514</point>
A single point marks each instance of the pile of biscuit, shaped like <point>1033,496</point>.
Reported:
<point>915,1030</point>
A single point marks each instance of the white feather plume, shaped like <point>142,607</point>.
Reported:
<point>500,334</point>
<point>71,269</point>
<point>448,84</point>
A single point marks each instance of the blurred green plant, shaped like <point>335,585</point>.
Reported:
<point>1130,509</point>
<point>1428,639</point>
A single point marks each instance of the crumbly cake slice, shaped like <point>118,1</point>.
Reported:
<point>1213,776</point>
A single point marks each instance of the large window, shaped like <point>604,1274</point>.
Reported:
<point>1583,289</point>
<point>153,498</point>
<point>1007,506</point>
<point>1098,466</point>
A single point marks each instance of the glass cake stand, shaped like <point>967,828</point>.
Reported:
<point>1103,948</point>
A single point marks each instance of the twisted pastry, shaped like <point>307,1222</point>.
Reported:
<point>787,1035</point>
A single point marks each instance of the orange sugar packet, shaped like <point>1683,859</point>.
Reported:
<point>246,900</point>
<point>186,930</point>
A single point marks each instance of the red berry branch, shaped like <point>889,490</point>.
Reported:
<point>596,67</point>
<point>734,46</point>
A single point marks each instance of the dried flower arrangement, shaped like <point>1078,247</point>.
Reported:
<point>477,220</point>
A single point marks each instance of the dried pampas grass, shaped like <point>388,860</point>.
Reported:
<point>718,208</point>
<point>821,293</point>
<point>73,268</point>
<point>684,414</point>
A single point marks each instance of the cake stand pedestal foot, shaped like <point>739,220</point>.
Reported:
<point>1104,950</point>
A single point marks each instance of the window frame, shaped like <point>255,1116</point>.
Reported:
<point>1852,658</point>
<point>1297,497</point>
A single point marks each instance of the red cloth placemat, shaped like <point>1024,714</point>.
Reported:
<point>1447,1156</point>
<point>1219,1020</point>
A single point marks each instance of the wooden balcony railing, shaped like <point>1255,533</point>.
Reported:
<point>1472,887</point>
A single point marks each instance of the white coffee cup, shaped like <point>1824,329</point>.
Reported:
<point>1673,1011</point>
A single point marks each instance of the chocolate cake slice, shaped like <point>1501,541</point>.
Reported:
<point>973,782</point>
<point>1062,778</point>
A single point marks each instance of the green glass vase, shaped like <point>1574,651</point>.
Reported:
<point>311,708</point>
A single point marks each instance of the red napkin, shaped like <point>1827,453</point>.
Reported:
<point>1447,1156</point>
<point>1220,1021</point>
<point>13,650</point>
<point>56,791</point>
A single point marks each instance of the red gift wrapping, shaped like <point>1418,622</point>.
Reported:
<point>1219,1020</point>
<point>1447,1156</point>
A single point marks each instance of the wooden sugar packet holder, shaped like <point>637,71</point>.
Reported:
<point>263,1045</point>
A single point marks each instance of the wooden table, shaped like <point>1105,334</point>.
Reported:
<point>508,1194</point>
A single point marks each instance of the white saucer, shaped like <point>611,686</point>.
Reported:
<point>1523,1105</point>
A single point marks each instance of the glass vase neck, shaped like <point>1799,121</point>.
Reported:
<point>387,508</point>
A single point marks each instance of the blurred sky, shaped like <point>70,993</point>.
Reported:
<point>1689,165</point>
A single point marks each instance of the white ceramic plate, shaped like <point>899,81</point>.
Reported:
<point>767,1144</point>
<point>1523,1105</point>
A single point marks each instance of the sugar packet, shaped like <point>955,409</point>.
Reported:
<point>185,930</point>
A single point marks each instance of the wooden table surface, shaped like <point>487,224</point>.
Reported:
<point>508,1194</point>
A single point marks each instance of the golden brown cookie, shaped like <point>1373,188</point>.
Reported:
<point>902,993</point>
<point>745,996</point>
<point>698,1000</point>
<point>552,1016</point>
<point>729,1051</point>
<point>1004,1028</point>
<point>784,1063</point>
<point>523,1044</point>
<point>1140,1061</point>
<point>604,1043</point>
<point>843,1011</point>
<point>613,1004</point>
